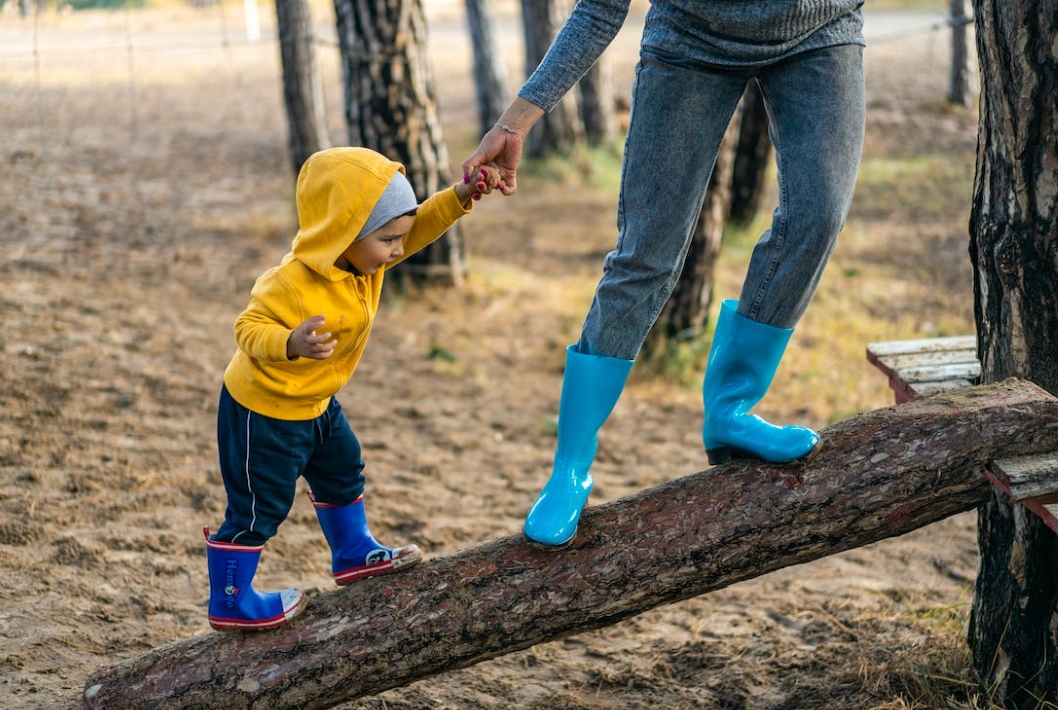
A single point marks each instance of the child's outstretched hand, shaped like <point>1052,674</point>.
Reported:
<point>482,182</point>
<point>304,341</point>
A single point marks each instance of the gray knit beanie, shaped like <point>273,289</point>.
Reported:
<point>397,199</point>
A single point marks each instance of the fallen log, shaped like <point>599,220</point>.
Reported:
<point>876,475</point>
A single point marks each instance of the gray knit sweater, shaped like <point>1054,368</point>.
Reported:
<point>733,33</point>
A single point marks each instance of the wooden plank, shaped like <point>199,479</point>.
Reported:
<point>927,353</point>
<point>930,359</point>
<point>923,367</point>
<point>1049,513</point>
<point>875,475</point>
<point>959,371</point>
<point>897,354</point>
<point>1031,481</point>
<point>929,388</point>
<point>1027,477</point>
<point>922,345</point>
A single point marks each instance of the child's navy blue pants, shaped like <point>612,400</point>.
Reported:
<point>261,459</point>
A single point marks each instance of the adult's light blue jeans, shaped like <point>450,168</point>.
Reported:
<point>815,103</point>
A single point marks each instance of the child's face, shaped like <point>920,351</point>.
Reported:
<point>380,247</point>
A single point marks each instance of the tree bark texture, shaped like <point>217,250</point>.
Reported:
<point>302,90</point>
<point>598,109</point>
<point>959,85</point>
<point>877,475</point>
<point>490,86</point>
<point>1014,249</point>
<point>391,107</point>
<point>752,157</point>
<point>561,130</point>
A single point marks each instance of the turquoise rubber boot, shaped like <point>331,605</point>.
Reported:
<point>234,605</point>
<point>355,554</point>
<point>742,364</point>
<point>590,389</point>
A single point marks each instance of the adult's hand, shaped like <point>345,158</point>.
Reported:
<point>501,147</point>
<point>502,144</point>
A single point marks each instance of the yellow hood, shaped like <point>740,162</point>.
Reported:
<point>336,191</point>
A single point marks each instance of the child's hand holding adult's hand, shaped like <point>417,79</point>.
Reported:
<point>304,341</point>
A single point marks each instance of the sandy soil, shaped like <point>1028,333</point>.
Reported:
<point>145,189</point>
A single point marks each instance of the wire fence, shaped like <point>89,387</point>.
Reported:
<point>42,55</point>
<point>113,98</point>
<point>46,49</point>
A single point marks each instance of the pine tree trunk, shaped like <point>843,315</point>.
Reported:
<point>302,90</point>
<point>752,157</point>
<point>1014,247</point>
<point>489,83</point>
<point>597,105</point>
<point>561,130</point>
<point>391,107</point>
<point>958,89</point>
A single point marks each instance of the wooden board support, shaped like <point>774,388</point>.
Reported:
<point>876,475</point>
<point>919,368</point>
<point>1031,481</point>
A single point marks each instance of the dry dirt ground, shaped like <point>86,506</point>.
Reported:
<point>145,185</point>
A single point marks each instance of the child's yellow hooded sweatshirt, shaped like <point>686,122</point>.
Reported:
<point>336,191</point>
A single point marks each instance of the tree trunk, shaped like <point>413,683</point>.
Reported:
<point>598,109</point>
<point>489,83</point>
<point>391,107</point>
<point>561,130</point>
<point>959,90</point>
<point>687,310</point>
<point>752,157</point>
<point>877,475</point>
<point>302,90</point>
<point>1014,248</point>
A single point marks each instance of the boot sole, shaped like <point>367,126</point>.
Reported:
<point>541,545</point>
<point>725,454</point>
<point>235,626</point>
<point>412,555</point>
<point>536,544</point>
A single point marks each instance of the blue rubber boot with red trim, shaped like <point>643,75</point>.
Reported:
<point>355,554</point>
<point>234,605</point>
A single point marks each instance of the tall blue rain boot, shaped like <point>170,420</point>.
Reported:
<point>590,389</point>
<point>742,363</point>
<point>355,554</point>
<point>234,605</point>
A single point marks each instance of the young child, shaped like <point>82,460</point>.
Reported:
<point>299,342</point>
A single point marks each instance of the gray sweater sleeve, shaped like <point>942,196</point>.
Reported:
<point>587,32</point>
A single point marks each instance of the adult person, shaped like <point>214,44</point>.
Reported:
<point>696,57</point>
